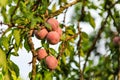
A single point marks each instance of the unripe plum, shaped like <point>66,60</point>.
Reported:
<point>54,23</point>
<point>51,62</point>
<point>59,30</point>
<point>41,34</point>
<point>41,53</point>
<point>53,37</point>
<point>116,40</point>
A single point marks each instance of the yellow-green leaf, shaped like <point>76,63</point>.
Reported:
<point>54,8</point>
<point>92,22</point>
<point>82,53</point>
<point>3,3</point>
<point>16,34</point>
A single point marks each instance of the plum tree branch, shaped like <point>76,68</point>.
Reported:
<point>119,63</point>
<point>14,11</point>
<point>63,44</point>
<point>62,9</point>
<point>30,42</point>
<point>98,35</point>
<point>80,38</point>
<point>94,42</point>
<point>79,49</point>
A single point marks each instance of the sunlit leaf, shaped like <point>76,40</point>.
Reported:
<point>54,8</point>
<point>16,34</point>
<point>92,21</point>
<point>5,42</point>
<point>26,45</point>
<point>82,53</point>
<point>48,75</point>
<point>2,58</point>
<point>52,51</point>
<point>3,3</point>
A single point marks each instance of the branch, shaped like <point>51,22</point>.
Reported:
<point>30,42</point>
<point>98,35</point>
<point>114,4</point>
<point>79,49</point>
<point>114,20</point>
<point>62,9</point>
<point>14,11</point>
<point>119,63</point>
<point>94,41</point>
<point>63,45</point>
<point>80,38</point>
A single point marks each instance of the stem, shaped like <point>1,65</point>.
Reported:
<point>79,50</point>
<point>62,9</point>
<point>95,41</point>
<point>63,44</point>
<point>34,55</point>
<point>119,63</point>
<point>14,11</point>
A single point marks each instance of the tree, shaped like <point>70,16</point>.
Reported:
<point>24,17</point>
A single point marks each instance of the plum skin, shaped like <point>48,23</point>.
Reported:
<point>51,62</point>
<point>53,37</point>
<point>41,34</point>
<point>41,54</point>
<point>54,23</point>
<point>116,40</point>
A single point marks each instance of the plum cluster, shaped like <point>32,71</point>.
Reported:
<point>53,37</point>
<point>50,61</point>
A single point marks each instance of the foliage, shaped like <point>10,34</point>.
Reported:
<point>79,55</point>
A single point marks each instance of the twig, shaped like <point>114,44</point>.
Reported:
<point>80,38</point>
<point>71,37</point>
<point>61,50</point>
<point>94,42</point>
<point>35,6</point>
<point>119,63</point>
<point>63,44</point>
<point>14,11</point>
<point>62,9</point>
<point>34,55</point>
<point>65,15</point>
<point>79,49</point>
<point>114,20</point>
<point>98,35</point>
<point>114,4</point>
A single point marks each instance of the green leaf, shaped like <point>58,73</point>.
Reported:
<point>84,36</point>
<point>4,15</point>
<point>54,8</point>
<point>52,51</point>
<point>45,44</point>
<point>2,59</point>
<point>48,75</point>
<point>1,76</point>
<point>14,53</point>
<point>16,34</point>
<point>67,51</point>
<point>92,21</point>
<point>38,77</point>
<point>3,3</point>
<point>11,9</point>
<point>63,59</point>
<point>13,69</point>
<point>48,26</point>
<point>5,42</point>
<point>82,53</point>
<point>70,30</point>
<point>16,48</point>
<point>26,45</point>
